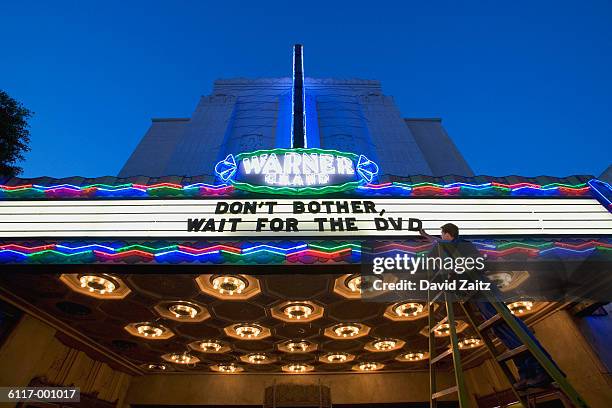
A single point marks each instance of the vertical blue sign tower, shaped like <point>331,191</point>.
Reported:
<point>298,100</point>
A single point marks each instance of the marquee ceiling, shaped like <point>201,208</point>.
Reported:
<point>104,320</point>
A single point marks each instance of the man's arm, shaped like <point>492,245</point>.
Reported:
<point>428,237</point>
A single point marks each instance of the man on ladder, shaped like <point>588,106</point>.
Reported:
<point>535,366</point>
<point>531,373</point>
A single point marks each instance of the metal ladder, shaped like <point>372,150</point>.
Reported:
<point>567,393</point>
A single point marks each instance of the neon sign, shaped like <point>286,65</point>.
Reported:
<point>296,171</point>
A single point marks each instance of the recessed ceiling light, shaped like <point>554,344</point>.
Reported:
<point>257,358</point>
<point>369,366</point>
<point>384,345</point>
<point>228,368</point>
<point>469,342</point>
<point>183,358</point>
<point>500,279</point>
<point>408,309</point>
<point>414,356</point>
<point>210,346</point>
<point>298,346</point>
<point>297,368</point>
<point>443,329</point>
<point>229,284</point>
<point>354,283</point>
<point>183,310</point>
<point>97,284</point>
<point>298,311</point>
<point>521,307</point>
<point>157,367</point>
<point>150,330</point>
<point>337,357</point>
<point>346,330</point>
<point>248,330</point>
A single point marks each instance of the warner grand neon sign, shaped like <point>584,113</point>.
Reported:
<point>296,170</point>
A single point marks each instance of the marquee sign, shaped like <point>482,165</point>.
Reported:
<point>296,171</point>
<point>200,219</point>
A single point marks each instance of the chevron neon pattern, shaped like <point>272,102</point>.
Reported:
<point>269,252</point>
<point>394,189</point>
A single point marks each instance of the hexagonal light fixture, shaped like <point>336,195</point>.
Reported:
<point>297,346</point>
<point>406,311</point>
<point>99,286</point>
<point>384,345</point>
<point>368,366</point>
<point>348,286</point>
<point>149,330</point>
<point>258,358</point>
<point>229,287</point>
<point>413,356</point>
<point>470,342</point>
<point>344,331</point>
<point>297,311</point>
<point>521,308</point>
<point>226,368</point>
<point>247,331</point>
<point>181,358</point>
<point>297,368</point>
<point>508,280</point>
<point>210,346</point>
<point>336,358</point>
<point>155,367</point>
<point>182,311</point>
<point>443,329</point>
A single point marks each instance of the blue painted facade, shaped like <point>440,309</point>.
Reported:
<point>249,114</point>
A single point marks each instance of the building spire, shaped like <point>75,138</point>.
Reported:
<point>298,100</point>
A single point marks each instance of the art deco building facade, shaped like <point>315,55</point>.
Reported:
<point>252,114</point>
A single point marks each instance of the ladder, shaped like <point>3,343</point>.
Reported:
<point>567,392</point>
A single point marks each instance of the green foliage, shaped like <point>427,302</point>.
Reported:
<point>14,134</point>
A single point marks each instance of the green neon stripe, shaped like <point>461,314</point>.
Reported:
<point>147,248</point>
<point>334,248</point>
<point>54,252</point>
<point>107,186</point>
<point>296,190</point>
<point>515,244</point>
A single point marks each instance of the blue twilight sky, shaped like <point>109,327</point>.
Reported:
<point>523,87</point>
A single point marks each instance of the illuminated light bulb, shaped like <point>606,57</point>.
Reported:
<point>384,345</point>
<point>500,279</point>
<point>229,284</point>
<point>247,331</point>
<point>337,357</point>
<point>160,367</point>
<point>296,368</point>
<point>346,330</point>
<point>298,346</point>
<point>298,311</point>
<point>443,329</point>
<point>408,309</point>
<point>469,342</point>
<point>228,368</point>
<point>354,283</point>
<point>213,346</point>
<point>521,307</point>
<point>182,311</point>
<point>414,356</point>
<point>149,330</point>
<point>182,358</point>
<point>97,284</point>
<point>369,366</point>
<point>257,358</point>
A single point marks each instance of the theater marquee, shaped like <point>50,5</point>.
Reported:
<point>296,218</point>
<point>296,171</point>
